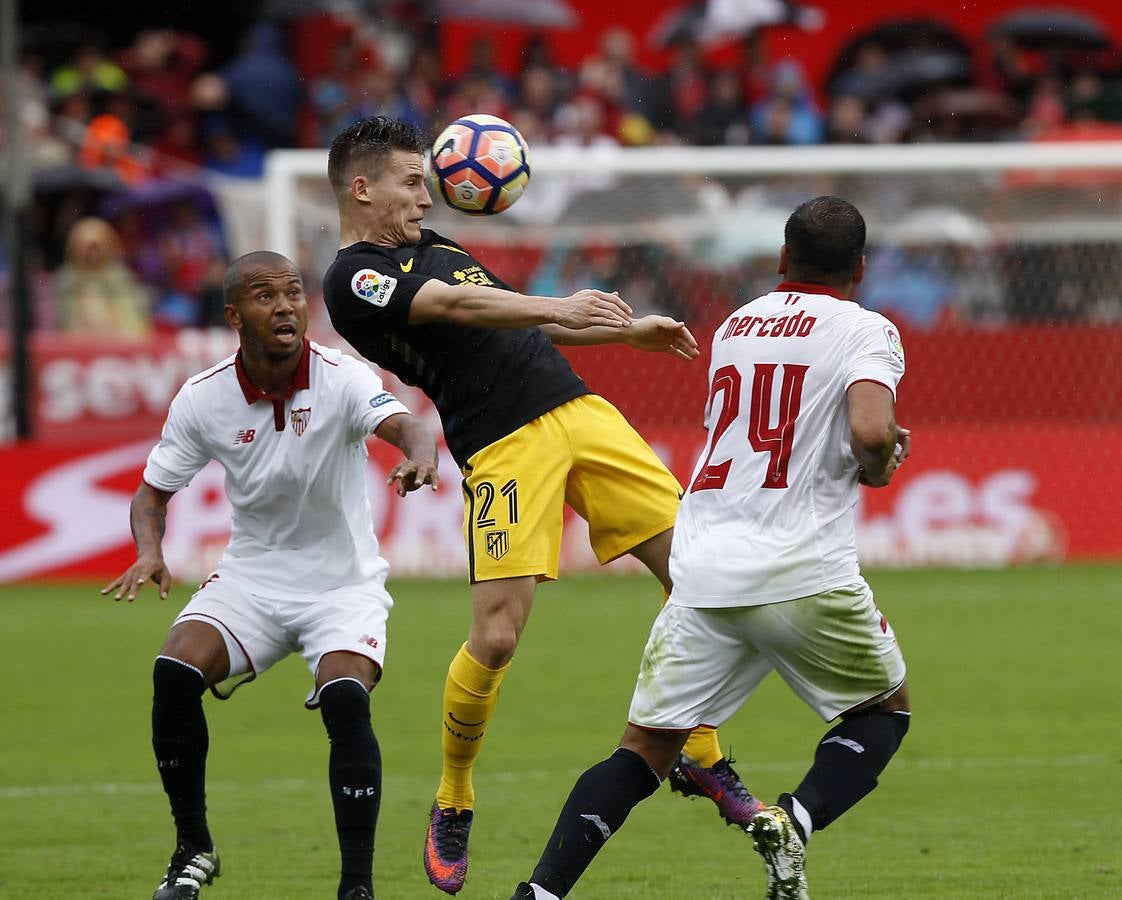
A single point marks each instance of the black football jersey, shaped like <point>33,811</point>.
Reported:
<point>485,382</point>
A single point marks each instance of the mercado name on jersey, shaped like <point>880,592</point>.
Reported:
<point>485,382</point>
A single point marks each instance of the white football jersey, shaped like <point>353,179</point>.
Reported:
<point>768,515</point>
<point>295,468</point>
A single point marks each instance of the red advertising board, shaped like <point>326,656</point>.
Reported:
<point>969,495</point>
<point>1012,427</point>
<point>100,392</point>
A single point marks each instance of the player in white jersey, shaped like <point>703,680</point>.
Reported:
<point>287,420</point>
<point>801,409</point>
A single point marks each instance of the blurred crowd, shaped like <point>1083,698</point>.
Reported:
<point>111,126</point>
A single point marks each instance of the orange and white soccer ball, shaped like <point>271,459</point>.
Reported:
<point>480,165</point>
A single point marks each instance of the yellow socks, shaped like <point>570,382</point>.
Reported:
<point>702,747</point>
<point>470,694</point>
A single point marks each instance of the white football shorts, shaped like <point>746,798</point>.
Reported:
<point>260,631</point>
<point>834,649</point>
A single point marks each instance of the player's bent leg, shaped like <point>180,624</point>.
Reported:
<point>702,769</point>
<point>193,657</point>
<point>344,681</point>
<point>848,761</point>
<point>598,806</point>
<point>500,609</point>
<point>846,765</point>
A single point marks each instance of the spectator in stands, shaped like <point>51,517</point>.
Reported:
<point>423,79</point>
<point>909,283</point>
<point>264,90</point>
<point>788,114</point>
<point>538,94</point>
<point>161,65</point>
<point>612,73</point>
<point>724,117</point>
<point>192,256</point>
<point>106,145</point>
<point>97,295</point>
<point>89,71</point>
<point>674,99</point>
<point>846,124</point>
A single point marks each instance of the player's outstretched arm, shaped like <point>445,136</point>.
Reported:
<point>414,439</point>
<point>657,334</point>
<point>491,307</point>
<point>874,434</point>
<point>148,517</point>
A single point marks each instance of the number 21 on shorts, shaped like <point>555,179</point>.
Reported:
<point>764,437</point>
<point>486,493</point>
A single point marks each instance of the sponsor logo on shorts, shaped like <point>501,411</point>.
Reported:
<point>369,641</point>
<point>497,543</point>
<point>300,419</point>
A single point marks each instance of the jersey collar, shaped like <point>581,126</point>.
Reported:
<point>300,379</point>
<point>801,287</point>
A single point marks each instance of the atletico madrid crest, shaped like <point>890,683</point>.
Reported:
<point>497,544</point>
<point>300,419</point>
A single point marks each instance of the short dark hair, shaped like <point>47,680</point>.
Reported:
<point>368,142</point>
<point>233,283</point>
<point>825,237</point>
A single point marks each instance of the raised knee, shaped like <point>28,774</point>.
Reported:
<point>345,707</point>
<point>173,679</point>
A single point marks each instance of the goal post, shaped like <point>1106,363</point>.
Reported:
<point>285,169</point>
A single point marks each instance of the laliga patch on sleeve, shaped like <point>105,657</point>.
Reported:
<point>373,287</point>
<point>895,345</point>
<point>381,400</point>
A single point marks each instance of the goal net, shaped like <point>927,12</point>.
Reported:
<point>1001,265</point>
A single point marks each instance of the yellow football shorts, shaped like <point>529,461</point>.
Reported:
<point>583,453</point>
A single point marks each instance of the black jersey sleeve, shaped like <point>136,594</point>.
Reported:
<point>364,288</point>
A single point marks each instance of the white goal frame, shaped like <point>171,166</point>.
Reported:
<point>284,167</point>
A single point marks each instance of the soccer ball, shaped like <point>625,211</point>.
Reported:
<point>480,165</point>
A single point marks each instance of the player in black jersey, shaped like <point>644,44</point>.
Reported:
<point>526,432</point>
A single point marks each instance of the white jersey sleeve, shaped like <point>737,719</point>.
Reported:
<point>181,452</point>
<point>368,403</point>
<point>877,353</point>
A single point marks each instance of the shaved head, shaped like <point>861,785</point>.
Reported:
<point>236,281</point>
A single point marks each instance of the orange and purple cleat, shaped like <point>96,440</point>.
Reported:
<point>719,783</point>
<point>446,848</point>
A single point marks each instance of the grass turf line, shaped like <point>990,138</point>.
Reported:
<point>1006,786</point>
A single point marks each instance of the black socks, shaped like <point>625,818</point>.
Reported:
<point>847,762</point>
<point>180,742</point>
<point>597,806</point>
<point>355,773</point>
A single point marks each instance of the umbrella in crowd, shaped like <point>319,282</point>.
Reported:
<point>975,111</point>
<point>895,35</point>
<point>907,74</point>
<point>530,13</point>
<point>710,21</point>
<point>1052,28</point>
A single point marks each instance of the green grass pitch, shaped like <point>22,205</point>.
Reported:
<point>1008,785</point>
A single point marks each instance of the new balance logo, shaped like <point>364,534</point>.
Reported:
<point>245,436</point>
<point>845,742</point>
<point>369,641</point>
<point>600,824</point>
